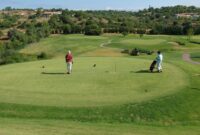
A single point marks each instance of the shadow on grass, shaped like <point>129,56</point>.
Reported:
<point>141,71</point>
<point>197,89</point>
<point>53,73</point>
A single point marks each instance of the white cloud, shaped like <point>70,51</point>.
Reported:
<point>109,8</point>
<point>112,8</point>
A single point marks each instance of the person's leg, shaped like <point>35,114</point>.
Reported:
<point>70,67</point>
<point>159,67</point>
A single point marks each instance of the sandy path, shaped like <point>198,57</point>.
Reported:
<point>104,44</point>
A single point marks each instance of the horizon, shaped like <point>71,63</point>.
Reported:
<point>128,5</point>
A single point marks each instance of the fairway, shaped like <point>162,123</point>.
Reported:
<point>57,45</point>
<point>113,81</point>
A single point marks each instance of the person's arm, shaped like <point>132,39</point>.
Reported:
<point>65,58</point>
<point>157,58</point>
<point>72,60</point>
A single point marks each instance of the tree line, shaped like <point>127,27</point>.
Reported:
<point>18,39</point>
<point>148,21</point>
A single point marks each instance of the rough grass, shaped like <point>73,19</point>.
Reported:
<point>58,127</point>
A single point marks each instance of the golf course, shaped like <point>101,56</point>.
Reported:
<point>116,96</point>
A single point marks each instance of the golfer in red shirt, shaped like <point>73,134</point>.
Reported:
<point>69,61</point>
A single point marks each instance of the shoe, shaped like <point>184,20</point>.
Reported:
<point>159,71</point>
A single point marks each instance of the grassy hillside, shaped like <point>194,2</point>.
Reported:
<point>58,45</point>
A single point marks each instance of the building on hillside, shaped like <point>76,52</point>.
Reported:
<point>187,15</point>
<point>18,12</point>
<point>51,13</point>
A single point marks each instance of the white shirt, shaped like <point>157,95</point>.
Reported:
<point>159,58</point>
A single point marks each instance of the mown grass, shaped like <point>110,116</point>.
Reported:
<point>142,43</point>
<point>163,43</point>
<point>105,99</point>
<point>58,45</point>
<point>113,81</point>
<point>179,108</point>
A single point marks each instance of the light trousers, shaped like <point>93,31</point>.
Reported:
<point>69,67</point>
<point>159,66</point>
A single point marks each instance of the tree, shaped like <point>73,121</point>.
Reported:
<point>8,21</point>
<point>66,19</point>
<point>76,29</point>
<point>17,38</point>
<point>123,28</point>
<point>39,12</point>
<point>186,27</point>
<point>92,29</point>
<point>1,34</point>
<point>141,35</point>
<point>190,33</point>
<point>8,8</point>
<point>124,33</point>
<point>55,24</point>
<point>67,29</point>
<point>33,34</point>
<point>197,30</point>
<point>141,32</point>
<point>43,29</point>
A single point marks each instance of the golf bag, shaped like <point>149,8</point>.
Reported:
<point>153,64</point>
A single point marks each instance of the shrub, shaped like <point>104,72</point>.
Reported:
<point>125,51</point>
<point>42,55</point>
<point>92,29</point>
<point>67,29</point>
<point>195,41</point>
<point>124,33</point>
<point>11,56</point>
<point>182,43</point>
<point>137,51</point>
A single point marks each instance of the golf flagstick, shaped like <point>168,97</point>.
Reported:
<point>115,67</point>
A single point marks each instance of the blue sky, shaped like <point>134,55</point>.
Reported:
<point>96,4</point>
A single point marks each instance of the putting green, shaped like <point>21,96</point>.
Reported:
<point>113,81</point>
<point>147,44</point>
